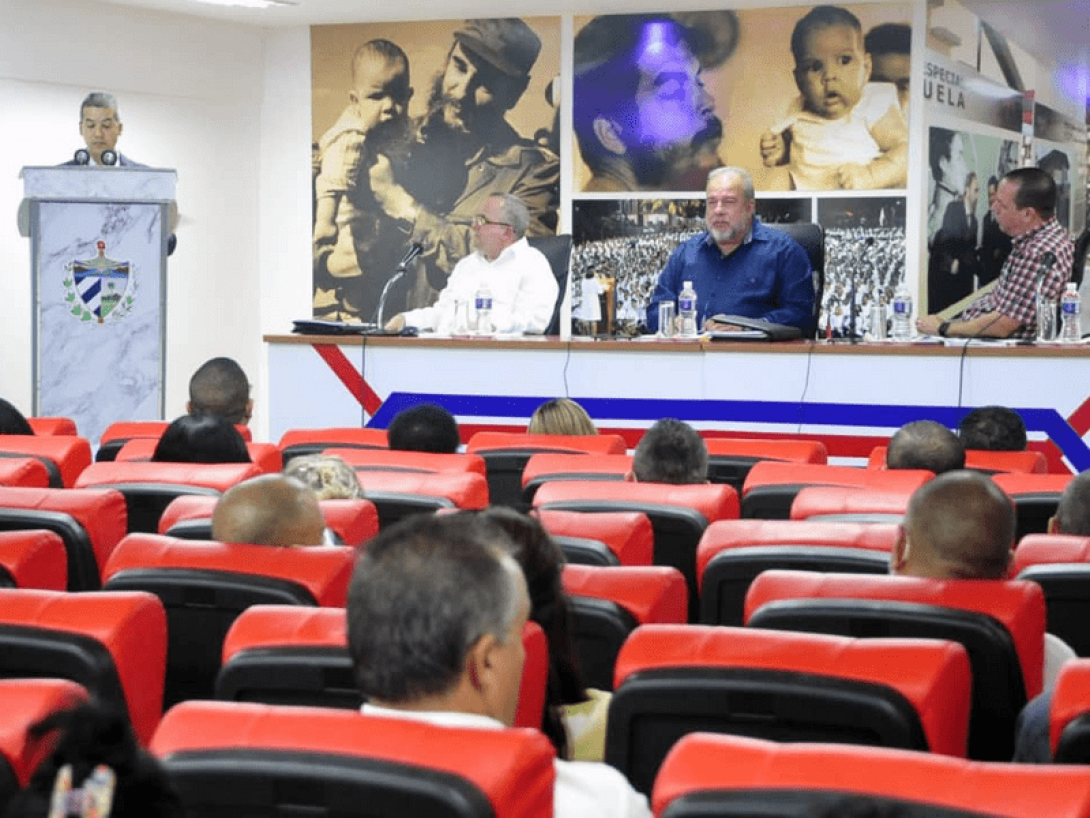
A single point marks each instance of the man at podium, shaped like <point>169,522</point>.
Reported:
<point>100,126</point>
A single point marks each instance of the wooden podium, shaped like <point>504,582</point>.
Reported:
<point>98,248</point>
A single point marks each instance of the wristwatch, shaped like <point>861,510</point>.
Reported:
<point>944,327</point>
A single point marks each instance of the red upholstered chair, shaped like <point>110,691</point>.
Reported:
<point>733,552</point>
<point>190,518</point>
<point>733,776</point>
<point>269,760</point>
<point>284,654</point>
<point>64,457</point>
<point>266,455</point>
<point>384,460</point>
<point>120,433</point>
<point>90,521</point>
<point>506,455</point>
<point>850,504</point>
<point>626,535</point>
<point>980,460</point>
<point>1035,497</point>
<point>296,442</point>
<point>771,487</point>
<point>114,644</point>
<point>204,586</point>
<point>149,487</point>
<point>23,471</point>
<point>730,458</point>
<point>399,494</point>
<point>1060,564</point>
<point>1001,624</point>
<point>53,426</point>
<point>545,468</point>
<point>679,514</point>
<point>33,559</point>
<point>609,603</point>
<point>25,703</point>
<point>1069,714</point>
<point>675,679</point>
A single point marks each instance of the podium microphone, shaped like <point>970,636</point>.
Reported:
<point>108,157</point>
<point>82,156</point>
<point>415,249</point>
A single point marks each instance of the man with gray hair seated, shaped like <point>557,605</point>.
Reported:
<point>519,278</point>
<point>925,444</point>
<point>436,610</point>
<point>269,510</point>
<point>671,451</point>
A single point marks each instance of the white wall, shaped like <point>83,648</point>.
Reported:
<point>190,96</point>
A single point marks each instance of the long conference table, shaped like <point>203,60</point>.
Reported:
<point>851,396</point>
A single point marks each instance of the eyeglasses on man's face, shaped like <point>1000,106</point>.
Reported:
<point>480,220</point>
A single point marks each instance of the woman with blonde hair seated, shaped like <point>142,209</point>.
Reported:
<point>561,416</point>
<point>329,476</point>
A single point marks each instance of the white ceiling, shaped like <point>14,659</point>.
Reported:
<point>1048,29</point>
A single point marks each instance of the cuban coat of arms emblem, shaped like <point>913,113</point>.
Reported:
<point>100,289</point>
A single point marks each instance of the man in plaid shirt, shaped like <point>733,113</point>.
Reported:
<point>1025,209</point>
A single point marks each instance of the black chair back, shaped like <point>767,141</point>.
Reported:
<point>557,250</point>
<point>812,238</point>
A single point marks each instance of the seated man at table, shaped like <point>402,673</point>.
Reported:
<point>739,266</point>
<point>519,277</point>
<point>435,611</point>
<point>1025,209</point>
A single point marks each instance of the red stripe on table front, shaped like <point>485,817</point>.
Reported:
<point>334,356</point>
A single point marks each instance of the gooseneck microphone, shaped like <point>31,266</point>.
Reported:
<point>82,156</point>
<point>415,249</point>
<point>108,157</point>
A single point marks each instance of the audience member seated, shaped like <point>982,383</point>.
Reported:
<point>925,444</point>
<point>89,735</point>
<point>327,475</point>
<point>1072,517</point>
<point>201,439</point>
<point>220,387</point>
<point>993,429</point>
<point>460,665</point>
<point>575,717</point>
<point>12,421</point>
<point>670,452</point>
<point>961,526</point>
<point>561,416</point>
<point>424,428</point>
<point>269,510</point>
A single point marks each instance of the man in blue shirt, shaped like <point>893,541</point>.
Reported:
<point>739,266</point>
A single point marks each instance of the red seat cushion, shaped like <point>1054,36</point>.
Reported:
<point>204,478</point>
<point>794,451</point>
<point>26,702</point>
<point>714,502</point>
<point>523,441</point>
<point>574,466</point>
<point>334,438</point>
<point>132,626</point>
<point>834,501</point>
<point>703,762</point>
<point>628,534</point>
<point>933,675</point>
<point>141,449</point>
<point>466,490</point>
<point>771,473</point>
<point>323,570</point>
<point>34,559</point>
<point>53,426</point>
<point>23,471</point>
<point>1070,698</point>
<point>512,767</point>
<point>651,593</point>
<point>1017,462</point>
<point>364,460</point>
<point>1050,549</point>
<point>1018,606</point>
<point>69,455</point>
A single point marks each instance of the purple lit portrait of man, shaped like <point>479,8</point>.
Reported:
<point>642,116</point>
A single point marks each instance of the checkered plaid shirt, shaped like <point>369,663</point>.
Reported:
<point>1015,294</point>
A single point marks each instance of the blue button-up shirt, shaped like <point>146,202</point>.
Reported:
<point>768,277</point>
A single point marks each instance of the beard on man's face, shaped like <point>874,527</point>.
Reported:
<point>445,113</point>
<point>390,138</point>
<point>683,166</point>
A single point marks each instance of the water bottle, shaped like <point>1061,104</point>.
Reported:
<point>902,314</point>
<point>483,303</point>
<point>1046,314</point>
<point>686,309</point>
<point>1070,307</point>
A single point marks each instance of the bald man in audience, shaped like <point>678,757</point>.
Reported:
<point>961,526</point>
<point>1032,743</point>
<point>925,444</point>
<point>220,387</point>
<point>269,510</point>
